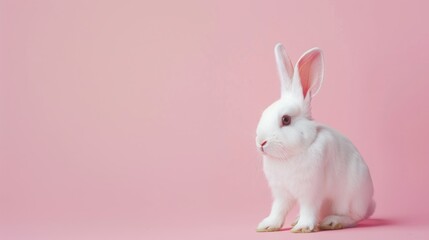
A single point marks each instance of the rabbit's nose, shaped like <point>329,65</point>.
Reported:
<point>262,145</point>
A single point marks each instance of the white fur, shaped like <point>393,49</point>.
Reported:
<point>306,162</point>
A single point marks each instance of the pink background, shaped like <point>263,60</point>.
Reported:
<point>136,119</point>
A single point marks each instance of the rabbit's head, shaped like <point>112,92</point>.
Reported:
<point>286,127</point>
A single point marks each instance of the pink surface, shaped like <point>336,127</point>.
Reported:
<point>136,119</point>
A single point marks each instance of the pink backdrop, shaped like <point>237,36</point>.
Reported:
<point>136,119</point>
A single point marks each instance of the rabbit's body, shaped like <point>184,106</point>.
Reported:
<point>308,163</point>
<point>334,178</point>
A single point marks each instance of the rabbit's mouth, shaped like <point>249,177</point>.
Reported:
<point>261,150</point>
<point>264,152</point>
<point>274,153</point>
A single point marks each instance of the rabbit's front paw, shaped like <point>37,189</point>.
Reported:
<point>270,224</point>
<point>302,227</point>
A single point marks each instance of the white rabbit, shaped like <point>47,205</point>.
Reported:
<point>306,162</point>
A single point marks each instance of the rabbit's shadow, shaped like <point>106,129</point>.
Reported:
<point>376,222</point>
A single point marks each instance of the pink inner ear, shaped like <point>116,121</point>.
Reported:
<point>306,69</point>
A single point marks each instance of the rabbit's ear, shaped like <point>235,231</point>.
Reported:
<point>310,70</point>
<point>284,67</point>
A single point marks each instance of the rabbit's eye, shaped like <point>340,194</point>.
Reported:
<point>286,119</point>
